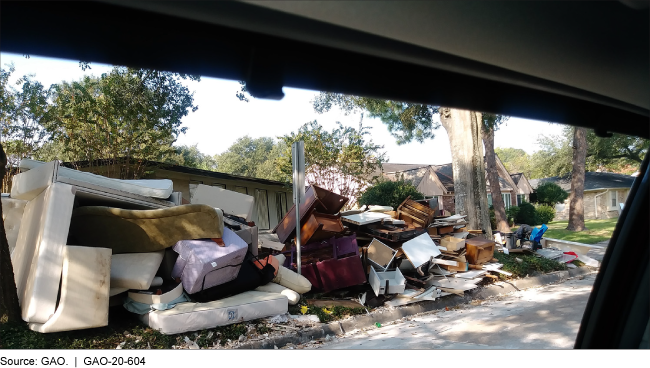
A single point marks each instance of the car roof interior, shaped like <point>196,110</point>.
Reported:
<point>579,63</point>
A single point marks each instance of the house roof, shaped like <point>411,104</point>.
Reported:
<point>516,177</point>
<point>593,180</point>
<point>180,169</point>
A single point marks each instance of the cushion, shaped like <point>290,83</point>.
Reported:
<point>139,231</point>
<point>272,287</point>
<point>292,280</point>
<point>134,270</point>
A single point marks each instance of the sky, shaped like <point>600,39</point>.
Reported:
<point>222,118</point>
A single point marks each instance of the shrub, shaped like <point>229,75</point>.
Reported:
<point>550,193</point>
<point>389,193</point>
<point>545,213</point>
<point>511,214</point>
<point>527,214</point>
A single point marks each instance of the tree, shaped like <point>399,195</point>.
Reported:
<point>491,123</point>
<point>550,193</point>
<point>8,292</point>
<point>410,121</point>
<point>341,161</point>
<point>123,118</point>
<point>515,160</point>
<point>190,156</point>
<point>576,205</point>
<point>21,132</point>
<point>389,193</point>
<point>252,157</point>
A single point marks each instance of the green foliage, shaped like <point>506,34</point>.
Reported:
<point>527,214</point>
<point>190,156</point>
<point>550,193</point>
<point>254,158</point>
<point>341,160</point>
<point>511,214</point>
<point>389,193</point>
<point>529,265</point>
<point>130,113</point>
<point>545,213</point>
<point>515,160</point>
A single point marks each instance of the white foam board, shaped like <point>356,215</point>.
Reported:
<point>84,291</point>
<point>155,188</point>
<point>12,215</point>
<point>135,270</point>
<point>38,256</point>
<point>30,184</point>
<point>229,202</point>
<point>365,218</point>
<point>185,317</point>
<point>420,249</point>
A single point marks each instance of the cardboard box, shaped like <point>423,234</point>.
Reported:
<point>452,243</point>
<point>395,280</point>
<point>479,250</point>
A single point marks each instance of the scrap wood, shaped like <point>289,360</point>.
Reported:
<point>453,291</point>
<point>492,276</point>
<point>444,262</point>
<point>471,274</point>
<point>454,283</point>
<point>414,281</point>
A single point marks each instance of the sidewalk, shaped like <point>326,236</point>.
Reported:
<point>598,254</point>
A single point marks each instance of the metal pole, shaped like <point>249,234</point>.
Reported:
<point>298,160</point>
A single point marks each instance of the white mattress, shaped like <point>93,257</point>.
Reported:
<point>185,317</point>
<point>12,215</point>
<point>84,291</point>
<point>230,202</point>
<point>135,270</point>
<point>156,188</point>
<point>38,256</point>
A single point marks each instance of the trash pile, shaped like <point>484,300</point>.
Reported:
<point>402,256</point>
<point>82,242</point>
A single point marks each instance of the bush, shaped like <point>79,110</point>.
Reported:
<point>545,213</point>
<point>511,214</point>
<point>527,214</point>
<point>389,193</point>
<point>550,193</point>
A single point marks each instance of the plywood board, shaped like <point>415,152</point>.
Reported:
<point>454,283</point>
<point>471,274</point>
<point>420,249</point>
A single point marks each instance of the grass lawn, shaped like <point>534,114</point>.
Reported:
<point>597,231</point>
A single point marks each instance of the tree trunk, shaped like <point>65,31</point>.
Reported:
<point>493,178</point>
<point>464,130</point>
<point>8,292</point>
<point>576,203</point>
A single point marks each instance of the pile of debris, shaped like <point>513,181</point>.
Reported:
<point>404,255</point>
<point>81,242</point>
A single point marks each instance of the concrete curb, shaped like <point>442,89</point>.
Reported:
<point>365,321</point>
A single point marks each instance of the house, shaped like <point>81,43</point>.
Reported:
<point>437,181</point>
<point>603,196</point>
<point>272,198</point>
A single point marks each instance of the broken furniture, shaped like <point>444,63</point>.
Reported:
<point>135,231</point>
<point>232,203</point>
<point>39,254</point>
<point>365,218</point>
<point>479,250</point>
<point>386,282</point>
<point>318,226</point>
<point>420,250</point>
<point>416,213</point>
<point>246,306</point>
<point>331,264</point>
<point>452,243</point>
<point>203,263</point>
<point>380,255</point>
<point>83,302</point>
<point>12,215</point>
<point>316,198</point>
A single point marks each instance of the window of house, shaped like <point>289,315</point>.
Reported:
<point>193,185</point>
<point>521,198</point>
<point>489,199</point>
<point>506,200</point>
<point>222,186</point>
<point>613,200</point>
<point>242,190</point>
<point>262,207</point>
<point>281,204</point>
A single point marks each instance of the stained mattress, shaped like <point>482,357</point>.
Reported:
<point>202,264</point>
<point>12,214</point>
<point>158,188</point>
<point>185,317</point>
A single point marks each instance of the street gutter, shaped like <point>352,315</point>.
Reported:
<point>385,316</point>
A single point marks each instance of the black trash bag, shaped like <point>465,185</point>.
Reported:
<point>248,278</point>
<point>523,232</point>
